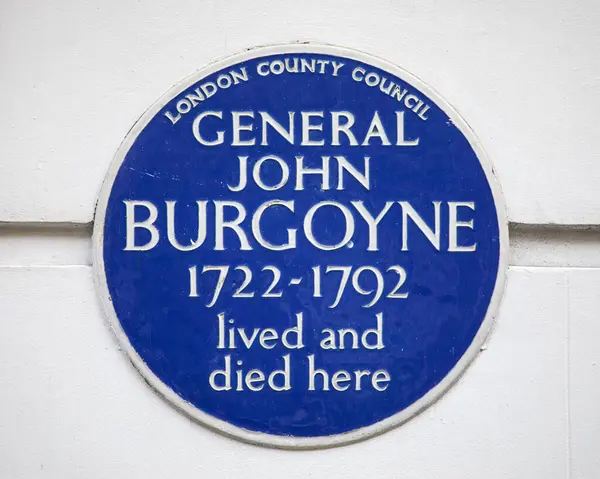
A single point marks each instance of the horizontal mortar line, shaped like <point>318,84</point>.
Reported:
<point>43,266</point>
<point>554,245</point>
<point>529,267</point>
<point>69,244</point>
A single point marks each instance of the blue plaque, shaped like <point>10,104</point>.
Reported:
<point>300,246</point>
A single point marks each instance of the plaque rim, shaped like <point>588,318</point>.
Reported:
<point>281,441</point>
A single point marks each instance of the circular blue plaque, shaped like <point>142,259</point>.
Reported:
<point>300,246</point>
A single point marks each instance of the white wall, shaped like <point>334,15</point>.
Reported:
<point>77,74</point>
